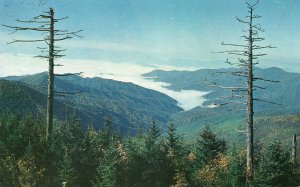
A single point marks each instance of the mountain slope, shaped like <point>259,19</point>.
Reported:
<point>285,92</point>
<point>226,120</point>
<point>20,99</point>
<point>129,106</point>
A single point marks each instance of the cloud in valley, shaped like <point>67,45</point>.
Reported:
<point>126,72</point>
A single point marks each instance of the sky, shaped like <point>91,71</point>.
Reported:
<point>126,38</point>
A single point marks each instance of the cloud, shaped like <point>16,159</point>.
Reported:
<point>125,72</point>
<point>20,64</point>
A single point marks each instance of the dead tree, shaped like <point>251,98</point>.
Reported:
<point>45,23</point>
<point>294,149</point>
<point>247,57</point>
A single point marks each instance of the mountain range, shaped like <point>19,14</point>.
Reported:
<point>229,119</point>
<point>128,106</point>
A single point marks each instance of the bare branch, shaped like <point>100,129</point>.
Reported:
<point>233,102</point>
<point>261,54</point>
<point>265,101</point>
<point>41,56</point>
<point>258,27</point>
<point>16,41</point>
<point>67,93</point>
<point>262,79</point>
<point>42,16</point>
<point>242,21</point>
<point>230,88</point>
<point>237,45</point>
<point>31,21</point>
<point>255,47</point>
<point>26,28</point>
<point>59,19</point>
<point>60,39</point>
<point>58,56</point>
<point>259,87</point>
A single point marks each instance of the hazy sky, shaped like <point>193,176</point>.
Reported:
<point>125,38</point>
<point>166,32</point>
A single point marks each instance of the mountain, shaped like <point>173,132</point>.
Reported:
<point>284,92</point>
<point>227,119</point>
<point>127,105</point>
<point>20,99</point>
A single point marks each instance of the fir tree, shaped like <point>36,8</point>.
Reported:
<point>209,146</point>
<point>275,168</point>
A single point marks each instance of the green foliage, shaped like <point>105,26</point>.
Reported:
<point>127,104</point>
<point>73,157</point>
<point>66,171</point>
<point>237,167</point>
<point>209,146</point>
<point>275,168</point>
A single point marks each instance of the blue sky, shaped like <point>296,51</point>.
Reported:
<point>166,32</point>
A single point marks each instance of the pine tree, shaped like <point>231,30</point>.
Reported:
<point>275,168</point>
<point>173,152</point>
<point>106,171</point>
<point>209,146</point>
<point>67,173</point>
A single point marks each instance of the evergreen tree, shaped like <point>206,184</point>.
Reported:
<point>107,168</point>
<point>67,173</point>
<point>209,146</point>
<point>90,155</point>
<point>275,168</point>
<point>173,155</point>
<point>237,169</point>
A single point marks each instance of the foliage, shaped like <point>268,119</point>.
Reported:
<point>73,157</point>
<point>126,104</point>
<point>275,168</point>
<point>209,146</point>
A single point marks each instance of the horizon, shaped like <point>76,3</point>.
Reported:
<point>125,39</point>
<point>169,33</point>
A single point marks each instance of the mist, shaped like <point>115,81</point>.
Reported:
<point>123,71</point>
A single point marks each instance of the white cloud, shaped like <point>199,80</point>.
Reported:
<point>126,72</point>
<point>19,64</point>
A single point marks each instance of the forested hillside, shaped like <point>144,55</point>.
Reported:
<point>20,99</point>
<point>228,120</point>
<point>129,106</point>
<point>284,92</point>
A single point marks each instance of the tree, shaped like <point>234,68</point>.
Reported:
<point>247,59</point>
<point>46,24</point>
<point>173,155</point>
<point>209,146</point>
<point>275,168</point>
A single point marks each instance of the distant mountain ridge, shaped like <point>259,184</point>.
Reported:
<point>129,106</point>
<point>285,92</point>
<point>226,120</point>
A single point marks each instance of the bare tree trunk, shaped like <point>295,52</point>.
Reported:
<point>294,149</point>
<point>46,26</point>
<point>50,78</point>
<point>246,57</point>
<point>250,105</point>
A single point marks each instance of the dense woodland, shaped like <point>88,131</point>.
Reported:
<point>74,157</point>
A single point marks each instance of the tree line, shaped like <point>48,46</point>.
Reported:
<point>74,157</point>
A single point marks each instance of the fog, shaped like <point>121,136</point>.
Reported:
<point>122,71</point>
